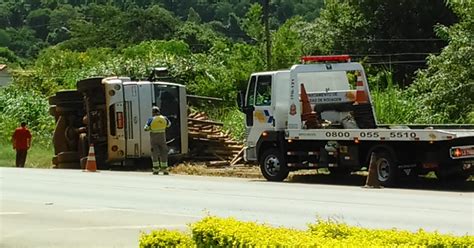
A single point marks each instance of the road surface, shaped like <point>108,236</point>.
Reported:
<point>71,208</point>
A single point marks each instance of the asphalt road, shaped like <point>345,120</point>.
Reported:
<point>70,208</point>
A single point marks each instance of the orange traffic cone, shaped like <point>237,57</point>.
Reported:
<point>91,165</point>
<point>361,94</point>
<point>307,114</point>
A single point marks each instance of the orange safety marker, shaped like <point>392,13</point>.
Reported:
<point>306,105</point>
<point>91,165</point>
<point>361,94</point>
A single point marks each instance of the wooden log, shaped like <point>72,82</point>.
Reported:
<point>217,163</point>
<point>206,122</point>
<point>235,161</point>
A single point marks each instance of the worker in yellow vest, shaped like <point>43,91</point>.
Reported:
<point>157,125</point>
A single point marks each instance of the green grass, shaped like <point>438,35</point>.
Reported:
<point>39,156</point>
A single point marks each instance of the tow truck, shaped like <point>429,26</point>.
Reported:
<point>319,114</point>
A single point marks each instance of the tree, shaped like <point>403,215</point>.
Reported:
<point>339,29</point>
<point>287,46</point>
<point>38,20</point>
<point>402,30</point>
<point>445,89</point>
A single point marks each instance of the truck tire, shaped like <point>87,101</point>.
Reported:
<point>70,165</point>
<point>83,163</point>
<point>387,171</point>
<point>273,165</point>
<point>52,111</point>
<point>60,110</point>
<point>68,96</point>
<point>83,145</point>
<point>68,157</point>
<point>89,84</point>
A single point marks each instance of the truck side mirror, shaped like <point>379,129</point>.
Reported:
<point>240,100</point>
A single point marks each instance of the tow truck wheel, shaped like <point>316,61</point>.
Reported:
<point>273,165</point>
<point>387,171</point>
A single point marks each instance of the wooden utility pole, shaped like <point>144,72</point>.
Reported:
<point>268,41</point>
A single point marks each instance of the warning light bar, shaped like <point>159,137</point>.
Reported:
<point>327,58</point>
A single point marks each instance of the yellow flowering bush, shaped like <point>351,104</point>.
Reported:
<point>165,238</point>
<point>228,232</point>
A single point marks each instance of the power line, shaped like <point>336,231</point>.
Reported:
<point>399,62</point>
<point>391,54</point>
<point>397,40</point>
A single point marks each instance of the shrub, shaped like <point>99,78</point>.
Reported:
<point>165,238</point>
<point>17,105</point>
<point>229,232</point>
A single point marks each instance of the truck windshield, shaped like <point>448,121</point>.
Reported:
<point>167,99</point>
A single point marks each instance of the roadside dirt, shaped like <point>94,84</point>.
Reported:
<point>200,169</point>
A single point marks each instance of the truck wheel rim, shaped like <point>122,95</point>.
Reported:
<point>383,170</point>
<point>272,165</point>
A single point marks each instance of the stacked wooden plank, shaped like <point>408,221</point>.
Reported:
<point>208,142</point>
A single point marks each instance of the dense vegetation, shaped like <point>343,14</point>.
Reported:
<point>213,46</point>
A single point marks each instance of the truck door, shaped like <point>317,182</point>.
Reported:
<point>258,110</point>
<point>258,102</point>
<point>132,121</point>
<point>263,114</point>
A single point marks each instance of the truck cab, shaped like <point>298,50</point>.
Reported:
<point>110,113</point>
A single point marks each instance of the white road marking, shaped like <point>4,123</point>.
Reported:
<point>89,228</point>
<point>87,210</point>
<point>11,213</point>
<point>79,210</point>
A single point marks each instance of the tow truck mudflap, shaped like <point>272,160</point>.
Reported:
<point>250,153</point>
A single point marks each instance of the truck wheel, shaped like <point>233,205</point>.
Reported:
<point>387,171</point>
<point>68,96</point>
<point>71,165</point>
<point>68,157</point>
<point>83,145</point>
<point>52,111</point>
<point>89,84</point>
<point>83,162</point>
<point>273,165</point>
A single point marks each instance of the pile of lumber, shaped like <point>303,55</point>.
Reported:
<point>208,142</point>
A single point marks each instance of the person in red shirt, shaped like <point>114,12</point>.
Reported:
<point>21,140</point>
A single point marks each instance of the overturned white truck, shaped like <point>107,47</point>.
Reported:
<point>111,113</point>
<point>320,115</point>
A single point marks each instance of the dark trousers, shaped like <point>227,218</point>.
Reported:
<point>21,158</point>
<point>159,149</point>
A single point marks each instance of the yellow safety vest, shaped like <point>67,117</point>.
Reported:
<point>159,124</point>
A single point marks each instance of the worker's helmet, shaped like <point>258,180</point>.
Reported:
<point>155,110</point>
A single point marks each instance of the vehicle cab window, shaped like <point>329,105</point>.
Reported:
<point>263,96</point>
<point>250,101</point>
